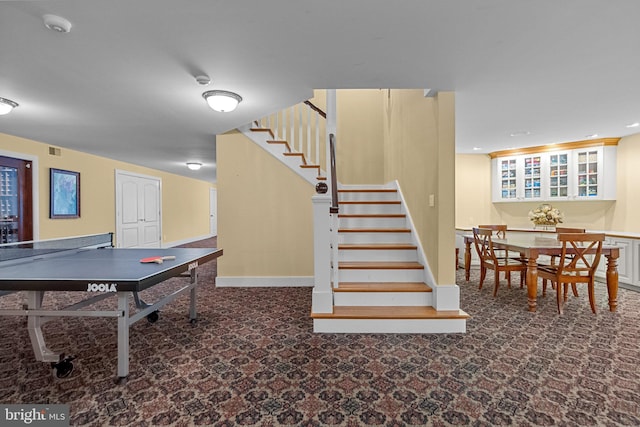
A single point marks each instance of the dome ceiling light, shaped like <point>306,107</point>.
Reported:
<point>194,166</point>
<point>222,100</point>
<point>6,106</point>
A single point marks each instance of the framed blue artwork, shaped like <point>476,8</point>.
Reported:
<point>64,194</point>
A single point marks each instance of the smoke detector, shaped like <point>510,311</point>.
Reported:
<point>57,23</point>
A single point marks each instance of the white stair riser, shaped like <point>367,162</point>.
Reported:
<point>383,222</point>
<point>407,255</point>
<point>409,326</point>
<point>368,195</point>
<point>381,275</point>
<point>404,299</point>
<point>373,237</point>
<point>375,208</point>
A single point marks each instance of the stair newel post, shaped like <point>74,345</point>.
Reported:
<point>322,301</point>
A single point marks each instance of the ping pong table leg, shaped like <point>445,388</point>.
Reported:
<point>34,324</point>
<point>193,315</point>
<point>123,336</point>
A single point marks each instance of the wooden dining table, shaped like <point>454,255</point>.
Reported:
<point>531,247</point>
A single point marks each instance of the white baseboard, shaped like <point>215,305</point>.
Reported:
<point>267,281</point>
<point>185,241</point>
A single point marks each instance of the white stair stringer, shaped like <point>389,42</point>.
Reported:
<point>385,284</point>
<point>277,151</point>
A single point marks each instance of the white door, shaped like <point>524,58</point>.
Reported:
<point>213,211</point>
<point>138,222</point>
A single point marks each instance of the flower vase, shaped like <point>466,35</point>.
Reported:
<point>545,227</point>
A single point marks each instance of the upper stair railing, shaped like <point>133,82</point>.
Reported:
<point>303,127</point>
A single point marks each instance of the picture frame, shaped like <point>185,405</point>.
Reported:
<point>64,194</point>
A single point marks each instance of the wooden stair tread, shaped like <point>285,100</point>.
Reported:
<point>369,190</point>
<point>376,246</point>
<point>372,216</point>
<point>376,265</point>
<point>263,130</point>
<point>382,287</point>
<point>390,312</point>
<point>374,230</point>
<point>370,202</point>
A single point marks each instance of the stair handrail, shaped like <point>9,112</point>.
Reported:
<point>335,207</point>
<point>316,109</point>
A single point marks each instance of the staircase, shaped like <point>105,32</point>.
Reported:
<point>382,283</point>
<point>382,280</point>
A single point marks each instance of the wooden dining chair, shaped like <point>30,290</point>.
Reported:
<point>578,261</point>
<point>554,261</point>
<point>500,231</point>
<point>483,241</point>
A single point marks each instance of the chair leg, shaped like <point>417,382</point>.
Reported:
<point>559,296</point>
<point>497,284</point>
<point>508,277</point>
<point>566,290</point>
<point>523,276</point>
<point>483,273</point>
<point>544,287</point>
<point>592,296</point>
<point>574,289</point>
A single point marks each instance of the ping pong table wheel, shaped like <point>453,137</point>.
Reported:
<point>153,316</point>
<point>64,367</point>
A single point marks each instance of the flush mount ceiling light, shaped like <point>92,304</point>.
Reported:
<point>6,106</point>
<point>57,23</point>
<point>222,100</point>
<point>633,125</point>
<point>194,166</point>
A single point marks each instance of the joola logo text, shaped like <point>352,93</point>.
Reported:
<point>102,287</point>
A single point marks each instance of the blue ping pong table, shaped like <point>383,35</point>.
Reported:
<point>98,270</point>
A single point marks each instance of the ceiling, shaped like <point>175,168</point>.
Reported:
<point>121,84</point>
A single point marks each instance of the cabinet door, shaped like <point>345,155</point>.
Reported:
<point>508,179</point>
<point>588,164</point>
<point>558,175</point>
<point>532,177</point>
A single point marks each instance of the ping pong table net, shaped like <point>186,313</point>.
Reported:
<point>18,250</point>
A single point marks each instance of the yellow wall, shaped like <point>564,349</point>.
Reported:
<point>360,138</point>
<point>265,217</point>
<point>419,153</point>
<point>474,206</point>
<point>185,201</point>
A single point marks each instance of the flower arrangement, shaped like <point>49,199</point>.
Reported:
<point>545,215</point>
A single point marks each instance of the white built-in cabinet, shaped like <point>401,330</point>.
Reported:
<point>566,172</point>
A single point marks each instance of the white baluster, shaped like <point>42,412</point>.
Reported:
<point>292,135</point>
<point>309,134</point>
<point>317,162</point>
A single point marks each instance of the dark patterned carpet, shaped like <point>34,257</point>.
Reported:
<point>252,359</point>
